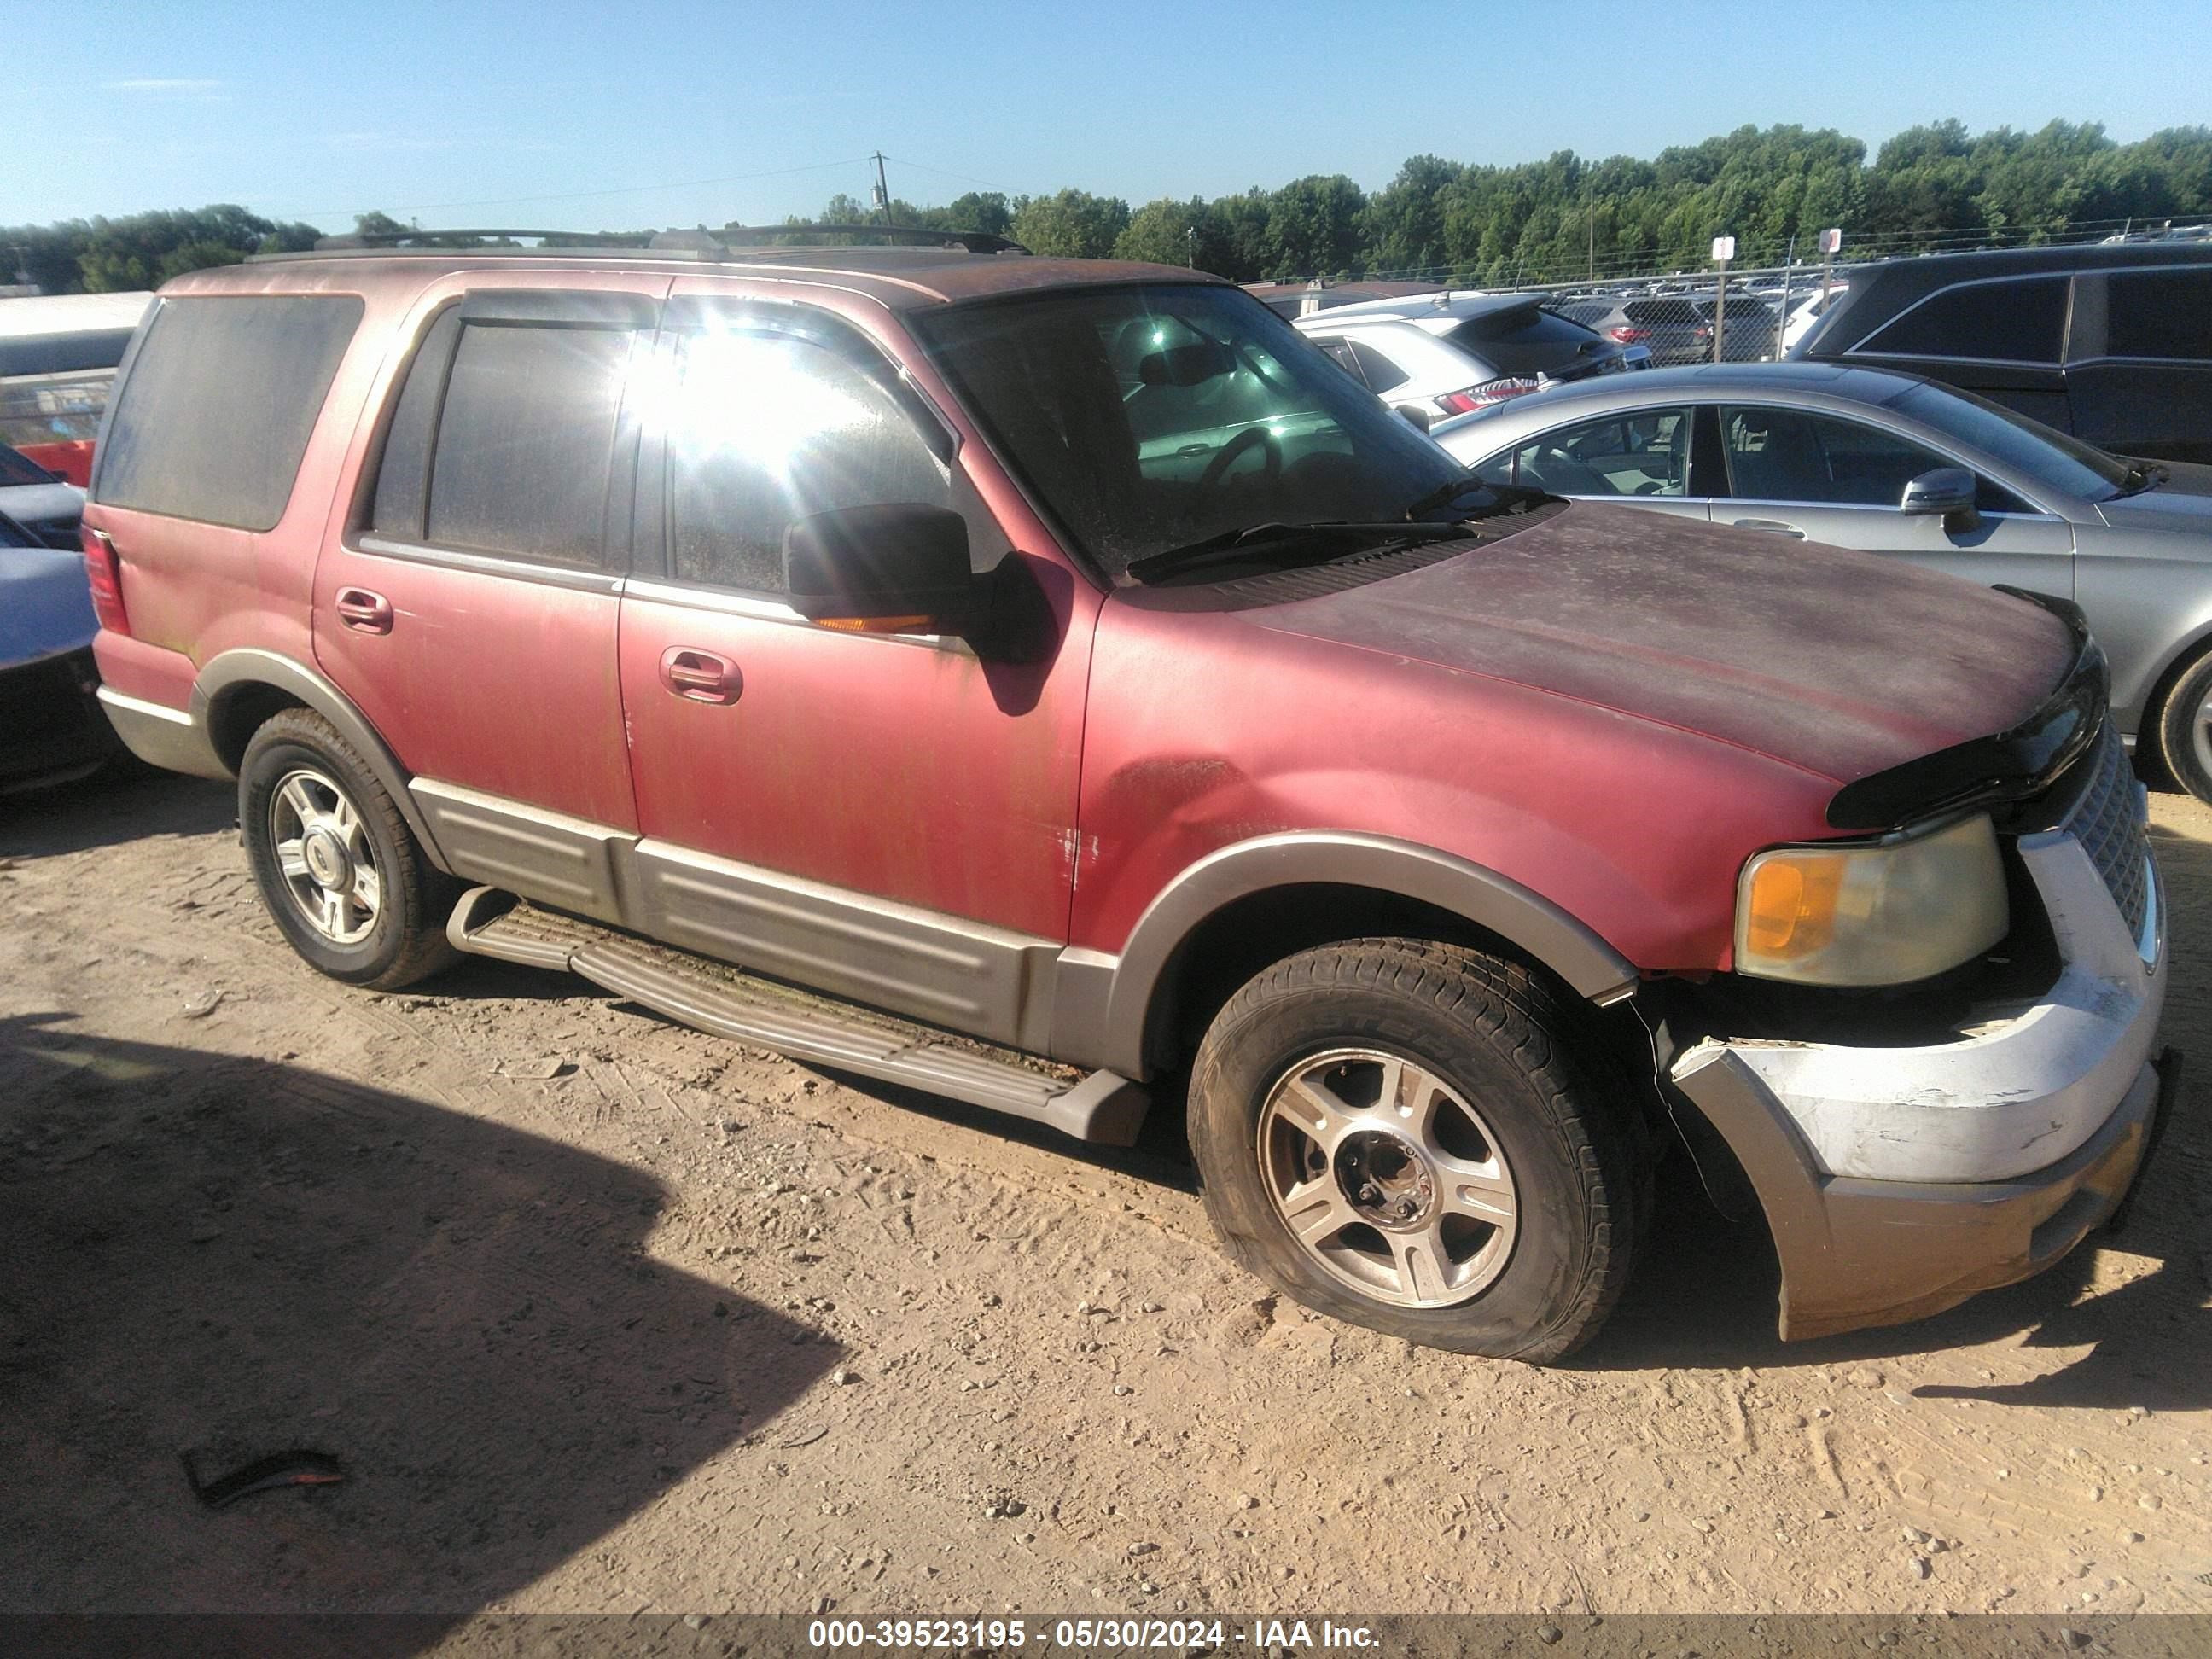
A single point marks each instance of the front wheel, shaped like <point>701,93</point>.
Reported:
<point>343,876</point>
<point>1401,1134</point>
<point>2184,729</point>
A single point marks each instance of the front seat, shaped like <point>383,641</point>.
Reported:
<point>1774,457</point>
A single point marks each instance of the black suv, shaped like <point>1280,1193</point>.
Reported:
<point>2110,342</point>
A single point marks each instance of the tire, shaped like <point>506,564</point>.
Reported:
<point>316,822</point>
<point>2184,729</point>
<point>1507,1231</point>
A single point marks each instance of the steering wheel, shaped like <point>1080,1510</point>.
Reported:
<point>1229,453</point>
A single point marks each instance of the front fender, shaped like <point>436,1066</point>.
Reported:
<point>1104,1004</point>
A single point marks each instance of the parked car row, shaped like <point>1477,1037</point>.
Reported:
<point>1450,354</point>
<point>1060,686</point>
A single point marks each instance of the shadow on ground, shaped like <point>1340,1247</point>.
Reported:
<point>119,805</point>
<point>233,1258</point>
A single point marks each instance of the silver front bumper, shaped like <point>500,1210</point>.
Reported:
<point>1896,1181</point>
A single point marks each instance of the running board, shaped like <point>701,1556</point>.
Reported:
<point>1100,1107</point>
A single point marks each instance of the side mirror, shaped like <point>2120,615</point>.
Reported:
<point>897,568</point>
<point>1947,490</point>
<point>1415,418</point>
<point>1185,365</point>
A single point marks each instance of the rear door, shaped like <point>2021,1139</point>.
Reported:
<point>471,610</point>
<point>2139,370</point>
<point>1802,476</point>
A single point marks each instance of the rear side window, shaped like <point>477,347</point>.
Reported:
<point>2160,313</point>
<point>1380,373</point>
<point>768,427</point>
<point>504,439</point>
<point>526,441</point>
<point>219,405</point>
<point>2020,321</point>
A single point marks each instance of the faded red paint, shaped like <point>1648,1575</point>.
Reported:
<point>1612,709</point>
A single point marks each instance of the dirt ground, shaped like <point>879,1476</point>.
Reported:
<point>604,1315</point>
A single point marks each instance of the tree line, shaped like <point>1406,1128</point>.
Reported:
<point>1558,220</point>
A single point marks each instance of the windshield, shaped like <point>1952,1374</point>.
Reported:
<point>2049,457</point>
<point>1150,418</point>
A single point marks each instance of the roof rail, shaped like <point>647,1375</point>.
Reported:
<point>698,244</point>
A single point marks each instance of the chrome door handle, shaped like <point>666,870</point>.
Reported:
<point>1773,527</point>
<point>700,676</point>
<point>358,608</point>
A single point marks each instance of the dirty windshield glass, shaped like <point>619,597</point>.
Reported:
<point>1150,418</point>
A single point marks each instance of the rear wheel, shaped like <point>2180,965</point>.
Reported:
<point>343,876</point>
<point>1401,1134</point>
<point>2184,729</point>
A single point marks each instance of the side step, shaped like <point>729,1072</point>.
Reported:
<point>1101,1108</point>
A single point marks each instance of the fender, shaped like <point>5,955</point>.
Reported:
<point>230,672</point>
<point>1104,1005</point>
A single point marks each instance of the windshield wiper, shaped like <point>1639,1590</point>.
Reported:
<point>1510,498</point>
<point>1332,536</point>
<point>2144,475</point>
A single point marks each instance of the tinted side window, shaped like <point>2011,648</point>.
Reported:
<point>2160,313</point>
<point>1340,352</point>
<point>1783,455</point>
<point>526,440</point>
<point>1647,453</point>
<point>768,427</point>
<point>2021,322</point>
<point>1382,373</point>
<point>220,403</point>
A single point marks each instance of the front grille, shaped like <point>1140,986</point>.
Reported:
<point>2107,823</point>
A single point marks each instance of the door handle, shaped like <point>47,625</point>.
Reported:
<point>1195,449</point>
<point>358,608</point>
<point>700,676</point>
<point>1773,527</point>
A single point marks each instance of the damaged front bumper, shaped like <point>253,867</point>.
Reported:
<point>1898,1181</point>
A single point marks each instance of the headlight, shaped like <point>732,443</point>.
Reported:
<point>1887,914</point>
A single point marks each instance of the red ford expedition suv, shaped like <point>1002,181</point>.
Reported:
<point>1059,686</point>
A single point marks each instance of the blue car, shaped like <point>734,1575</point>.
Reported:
<point>52,727</point>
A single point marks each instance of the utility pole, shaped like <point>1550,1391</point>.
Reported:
<point>1593,236</point>
<point>1190,244</point>
<point>883,190</point>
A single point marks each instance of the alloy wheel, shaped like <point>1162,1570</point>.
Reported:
<point>1387,1178</point>
<point>324,857</point>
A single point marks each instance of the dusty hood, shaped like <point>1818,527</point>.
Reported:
<point>1843,663</point>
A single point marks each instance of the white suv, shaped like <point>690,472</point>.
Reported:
<point>1441,355</point>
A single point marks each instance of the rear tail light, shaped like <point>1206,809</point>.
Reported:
<point>104,570</point>
<point>1489,392</point>
<point>1627,336</point>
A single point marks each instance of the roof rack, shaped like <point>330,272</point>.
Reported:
<point>699,244</point>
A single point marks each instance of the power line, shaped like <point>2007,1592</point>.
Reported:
<point>947,172</point>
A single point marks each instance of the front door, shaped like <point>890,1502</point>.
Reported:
<point>1643,457</point>
<point>1801,476</point>
<point>891,819</point>
<point>472,615</point>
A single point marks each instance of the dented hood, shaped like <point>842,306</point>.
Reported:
<point>1841,663</point>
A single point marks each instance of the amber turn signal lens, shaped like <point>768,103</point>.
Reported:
<point>1790,908</point>
<point>877,624</point>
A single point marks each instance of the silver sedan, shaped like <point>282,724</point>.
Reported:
<point>1895,464</point>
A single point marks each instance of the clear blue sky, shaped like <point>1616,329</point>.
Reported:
<point>450,111</point>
